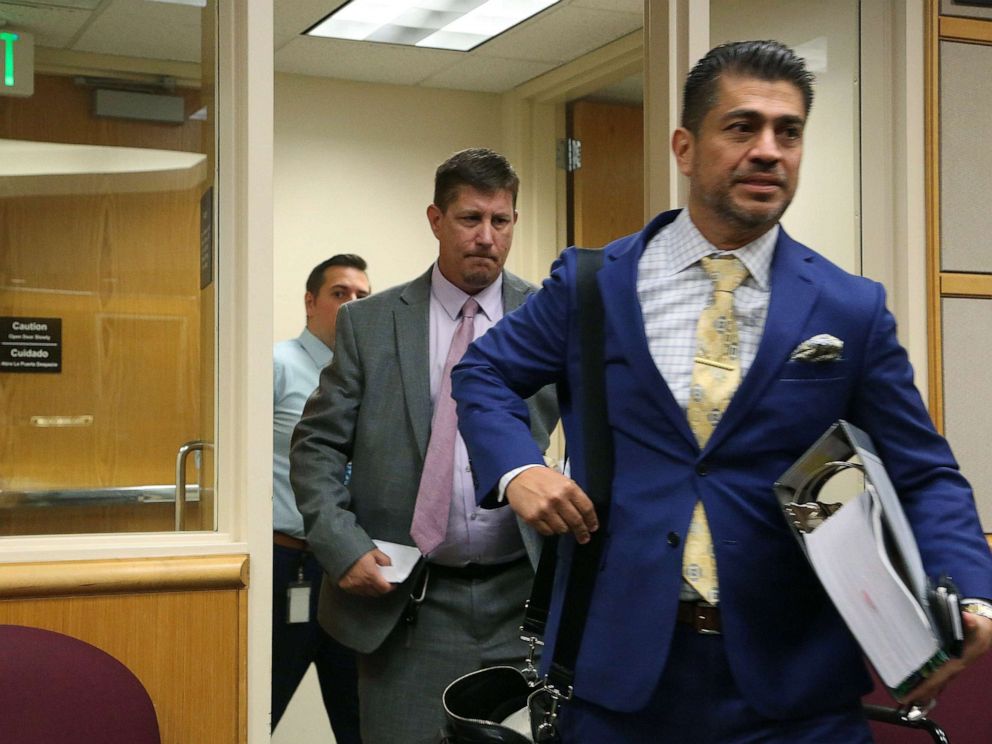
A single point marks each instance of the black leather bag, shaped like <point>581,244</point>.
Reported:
<point>504,705</point>
<point>498,705</point>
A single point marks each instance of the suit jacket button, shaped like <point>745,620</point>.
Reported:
<point>701,469</point>
<point>674,539</point>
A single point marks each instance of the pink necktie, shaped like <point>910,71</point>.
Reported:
<point>430,516</point>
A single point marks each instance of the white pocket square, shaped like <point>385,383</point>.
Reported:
<point>820,348</point>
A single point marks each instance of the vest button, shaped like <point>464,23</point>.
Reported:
<point>674,539</point>
<point>702,469</point>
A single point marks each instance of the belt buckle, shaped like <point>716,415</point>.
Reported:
<point>699,619</point>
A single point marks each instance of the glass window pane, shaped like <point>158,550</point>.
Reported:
<point>107,308</point>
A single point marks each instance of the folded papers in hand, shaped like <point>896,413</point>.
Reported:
<point>404,558</point>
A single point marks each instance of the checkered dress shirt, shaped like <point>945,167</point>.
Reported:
<point>673,289</point>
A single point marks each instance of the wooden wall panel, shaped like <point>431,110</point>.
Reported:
<point>77,519</point>
<point>59,111</point>
<point>179,624</point>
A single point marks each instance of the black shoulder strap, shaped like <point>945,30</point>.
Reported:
<point>599,477</point>
<point>595,426</point>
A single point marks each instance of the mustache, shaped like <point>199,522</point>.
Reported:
<point>770,174</point>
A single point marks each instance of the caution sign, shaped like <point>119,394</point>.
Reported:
<point>30,344</point>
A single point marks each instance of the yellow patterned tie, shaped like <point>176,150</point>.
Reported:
<point>716,373</point>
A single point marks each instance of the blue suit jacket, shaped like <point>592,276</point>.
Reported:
<point>790,651</point>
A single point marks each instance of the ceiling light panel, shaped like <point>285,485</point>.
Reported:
<point>440,24</point>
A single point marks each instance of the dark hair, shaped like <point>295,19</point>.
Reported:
<point>765,60</point>
<point>316,279</point>
<point>478,167</point>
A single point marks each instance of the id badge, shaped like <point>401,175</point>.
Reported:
<point>298,602</point>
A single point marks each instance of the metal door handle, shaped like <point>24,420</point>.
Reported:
<point>197,445</point>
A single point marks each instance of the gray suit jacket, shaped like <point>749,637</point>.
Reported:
<point>373,408</point>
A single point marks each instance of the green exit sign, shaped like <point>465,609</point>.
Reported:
<point>16,63</point>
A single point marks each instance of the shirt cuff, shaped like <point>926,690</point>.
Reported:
<point>505,480</point>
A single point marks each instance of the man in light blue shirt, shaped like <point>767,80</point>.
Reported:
<point>297,638</point>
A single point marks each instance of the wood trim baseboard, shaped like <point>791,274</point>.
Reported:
<point>965,285</point>
<point>965,29</point>
<point>935,371</point>
<point>123,576</point>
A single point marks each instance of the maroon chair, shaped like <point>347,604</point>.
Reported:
<point>55,689</point>
<point>964,709</point>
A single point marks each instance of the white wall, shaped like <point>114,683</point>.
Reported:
<point>354,173</point>
<point>825,213</point>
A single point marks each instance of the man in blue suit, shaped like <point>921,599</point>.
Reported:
<point>757,654</point>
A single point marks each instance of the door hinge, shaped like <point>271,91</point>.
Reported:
<point>570,154</point>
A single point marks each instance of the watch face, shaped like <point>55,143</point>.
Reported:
<point>978,609</point>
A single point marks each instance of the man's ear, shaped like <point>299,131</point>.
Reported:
<point>683,144</point>
<point>309,301</point>
<point>434,215</point>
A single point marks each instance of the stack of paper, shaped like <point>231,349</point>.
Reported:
<point>849,556</point>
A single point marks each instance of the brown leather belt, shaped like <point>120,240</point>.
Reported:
<point>288,541</point>
<point>703,618</point>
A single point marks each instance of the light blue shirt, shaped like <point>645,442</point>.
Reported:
<point>295,375</point>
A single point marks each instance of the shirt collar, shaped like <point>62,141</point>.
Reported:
<point>316,348</point>
<point>452,298</point>
<point>683,245</point>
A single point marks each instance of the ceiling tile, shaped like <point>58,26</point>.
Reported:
<point>292,17</point>
<point>172,32</point>
<point>487,74</point>
<point>562,35</point>
<point>77,4</point>
<point>361,60</point>
<point>136,28</point>
<point>621,6</point>
<point>52,27</point>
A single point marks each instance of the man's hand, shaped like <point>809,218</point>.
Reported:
<point>364,577</point>
<point>977,641</point>
<point>552,504</point>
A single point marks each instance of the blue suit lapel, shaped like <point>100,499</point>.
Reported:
<point>794,290</point>
<point>625,323</point>
<point>412,325</point>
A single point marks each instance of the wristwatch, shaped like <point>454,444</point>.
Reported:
<point>980,607</point>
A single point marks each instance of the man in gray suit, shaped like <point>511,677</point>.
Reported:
<point>381,405</point>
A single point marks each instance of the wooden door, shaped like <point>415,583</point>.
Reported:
<point>606,193</point>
